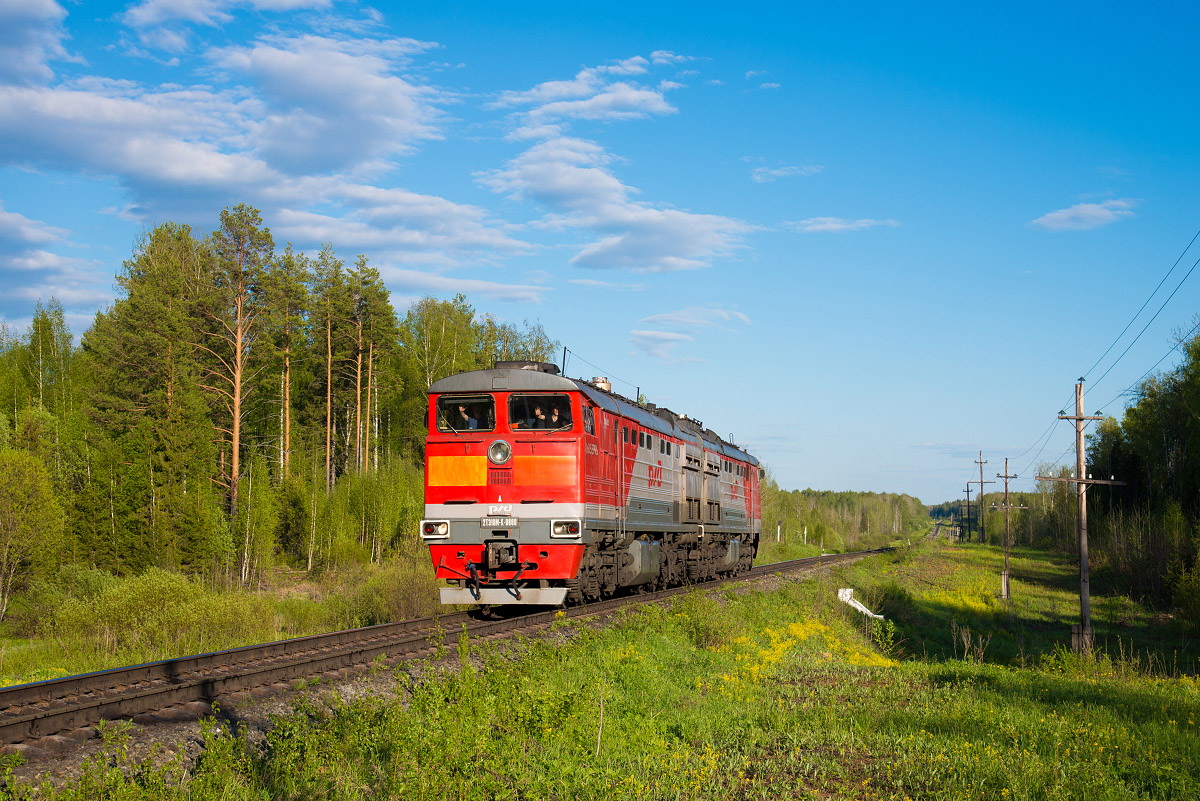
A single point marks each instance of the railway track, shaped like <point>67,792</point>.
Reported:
<point>192,684</point>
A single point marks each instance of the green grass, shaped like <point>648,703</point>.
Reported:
<point>90,620</point>
<point>763,695</point>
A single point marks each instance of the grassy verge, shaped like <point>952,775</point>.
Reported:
<point>91,620</point>
<point>762,695</point>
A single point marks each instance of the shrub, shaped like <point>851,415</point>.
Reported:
<point>707,623</point>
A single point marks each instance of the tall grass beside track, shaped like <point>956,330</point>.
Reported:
<point>89,620</point>
<point>766,694</point>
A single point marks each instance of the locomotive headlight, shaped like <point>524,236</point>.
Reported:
<point>564,529</point>
<point>435,529</point>
<point>499,452</point>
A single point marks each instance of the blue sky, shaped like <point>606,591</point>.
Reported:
<point>867,241</point>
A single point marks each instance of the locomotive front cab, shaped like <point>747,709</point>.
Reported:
<point>503,479</point>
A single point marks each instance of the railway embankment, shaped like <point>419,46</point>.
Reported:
<point>767,690</point>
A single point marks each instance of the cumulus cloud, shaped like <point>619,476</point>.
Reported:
<point>1085,216</point>
<point>163,24</point>
<point>31,34</point>
<point>332,103</point>
<point>658,344</point>
<point>415,281</point>
<point>17,230</point>
<point>838,225</point>
<point>31,273</point>
<point>592,94</point>
<point>571,177</point>
<point>672,328</point>
<point>661,57</point>
<point>697,318</point>
<point>593,283</point>
<point>764,175</point>
<point>183,151</point>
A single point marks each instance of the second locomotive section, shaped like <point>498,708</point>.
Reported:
<point>541,489</point>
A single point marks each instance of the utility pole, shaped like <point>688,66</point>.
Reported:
<point>1082,642</point>
<point>967,519</point>
<point>981,482</point>
<point>1004,593</point>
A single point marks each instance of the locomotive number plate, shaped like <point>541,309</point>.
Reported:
<point>497,522</point>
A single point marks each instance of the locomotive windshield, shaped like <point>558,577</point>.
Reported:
<point>544,412</point>
<point>466,413</point>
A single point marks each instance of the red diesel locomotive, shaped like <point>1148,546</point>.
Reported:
<point>541,489</point>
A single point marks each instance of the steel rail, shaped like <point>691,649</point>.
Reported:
<point>38,709</point>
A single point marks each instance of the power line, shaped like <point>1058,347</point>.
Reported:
<point>601,369</point>
<point>1143,308</point>
<point>1174,348</point>
<point>1048,436</point>
<point>1147,325</point>
<point>1126,329</point>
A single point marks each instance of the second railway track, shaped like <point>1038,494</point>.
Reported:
<point>40,709</point>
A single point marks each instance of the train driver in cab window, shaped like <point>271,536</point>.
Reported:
<point>466,419</point>
<point>558,419</point>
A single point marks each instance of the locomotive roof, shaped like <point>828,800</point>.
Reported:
<point>531,380</point>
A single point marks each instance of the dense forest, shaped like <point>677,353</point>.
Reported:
<point>241,407</point>
<point>1143,535</point>
<point>236,406</point>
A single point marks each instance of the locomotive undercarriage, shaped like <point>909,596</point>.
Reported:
<point>681,559</point>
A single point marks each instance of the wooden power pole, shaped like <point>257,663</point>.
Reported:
<point>1084,640</point>
<point>981,482</point>
<point>967,519</point>
<point>1004,591</point>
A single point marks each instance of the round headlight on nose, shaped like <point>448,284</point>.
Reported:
<point>499,452</point>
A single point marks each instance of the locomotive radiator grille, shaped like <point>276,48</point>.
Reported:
<point>503,477</point>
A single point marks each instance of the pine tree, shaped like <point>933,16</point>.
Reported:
<point>234,306</point>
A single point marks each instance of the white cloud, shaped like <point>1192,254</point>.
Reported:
<point>752,73</point>
<point>183,152</point>
<point>420,282</point>
<point>768,86</point>
<point>593,283</point>
<point>570,177</point>
<point>764,175</point>
<point>31,273</point>
<point>162,23</point>
<point>661,57</point>
<point>837,224</point>
<point>630,66</point>
<point>333,103</point>
<point>1085,216</point>
<point>591,95</point>
<point>19,230</point>
<point>31,34</point>
<point>697,318</point>
<point>658,344</point>
<point>618,101</point>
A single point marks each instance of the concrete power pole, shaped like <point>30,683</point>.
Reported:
<point>981,482</point>
<point>1082,642</point>
<point>1004,591</point>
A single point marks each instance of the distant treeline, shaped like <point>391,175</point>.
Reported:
<point>840,520</point>
<point>236,405</point>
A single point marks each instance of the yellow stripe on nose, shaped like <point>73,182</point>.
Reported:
<point>553,471</point>
<point>457,471</point>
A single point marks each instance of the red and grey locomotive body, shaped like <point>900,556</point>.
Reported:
<point>541,489</point>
